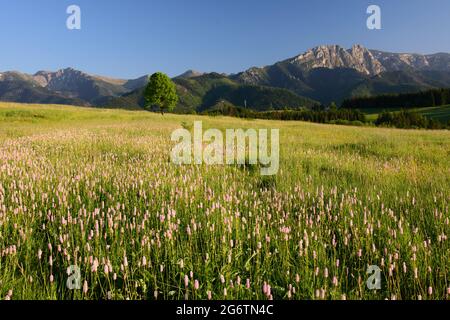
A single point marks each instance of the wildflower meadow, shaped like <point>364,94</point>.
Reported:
<point>94,190</point>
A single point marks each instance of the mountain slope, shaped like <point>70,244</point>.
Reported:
<point>17,87</point>
<point>76,84</point>
<point>67,86</point>
<point>202,92</point>
<point>190,74</point>
<point>332,73</point>
<point>408,62</point>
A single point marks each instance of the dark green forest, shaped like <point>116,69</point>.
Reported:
<point>429,98</point>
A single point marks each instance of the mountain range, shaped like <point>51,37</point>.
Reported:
<point>319,75</point>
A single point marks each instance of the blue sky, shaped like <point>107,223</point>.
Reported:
<point>131,38</point>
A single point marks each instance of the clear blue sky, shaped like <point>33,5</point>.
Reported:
<point>130,38</point>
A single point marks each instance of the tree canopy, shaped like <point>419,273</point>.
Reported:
<point>160,92</point>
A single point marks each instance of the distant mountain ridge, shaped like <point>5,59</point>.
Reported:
<point>322,74</point>
<point>333,73</point>
<point>67,86</point>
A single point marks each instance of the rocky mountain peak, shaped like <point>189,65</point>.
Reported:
<point>335,56</point>
<point>48,78</point>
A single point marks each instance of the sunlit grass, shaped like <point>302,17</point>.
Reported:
<point>95,188</point>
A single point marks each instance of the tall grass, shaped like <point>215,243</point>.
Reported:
<point>96,189</point>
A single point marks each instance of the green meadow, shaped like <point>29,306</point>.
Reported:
<point>95,188</point>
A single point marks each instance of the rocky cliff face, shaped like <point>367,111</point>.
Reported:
<point>359,58</point>
<point>62,80</point>
<point>370,62</point>
<point>332,57</point>
<point>407,61</point>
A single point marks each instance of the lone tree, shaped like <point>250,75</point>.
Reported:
<point>160,92</point>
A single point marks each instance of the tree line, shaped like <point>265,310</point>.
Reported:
<point>403,119</point>
<point>429,98</point>
<point>319,116</point>
<point>407,120</point>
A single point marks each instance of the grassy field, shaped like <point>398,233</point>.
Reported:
<point>95,188</point>
<point>441,113</point>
